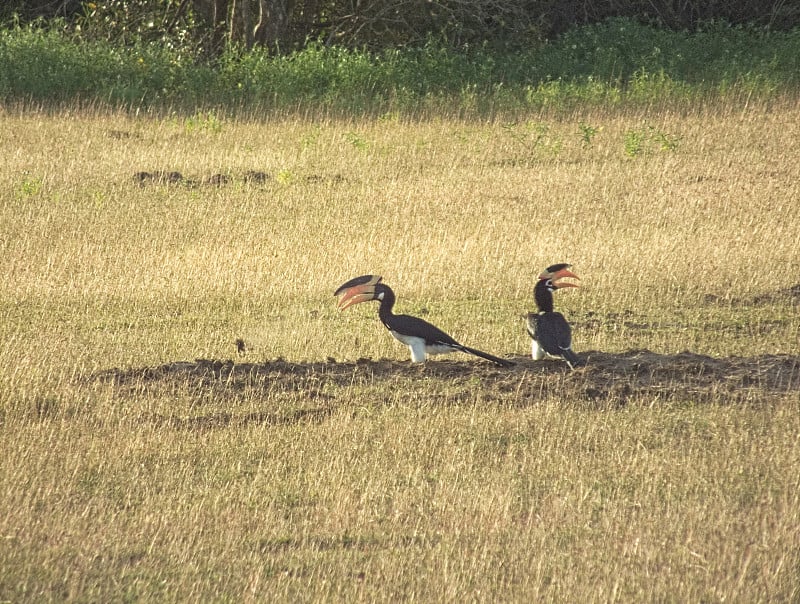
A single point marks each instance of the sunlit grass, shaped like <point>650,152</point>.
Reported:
<point>404,484</point>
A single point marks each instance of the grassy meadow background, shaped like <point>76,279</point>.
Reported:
<point>143,458</point>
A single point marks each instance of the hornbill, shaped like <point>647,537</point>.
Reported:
<point>549,330</point>
<point>421,337</point>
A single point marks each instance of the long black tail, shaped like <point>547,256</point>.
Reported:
<point>487,356</point>
<point>571,358</point>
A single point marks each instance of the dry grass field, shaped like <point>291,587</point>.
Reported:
<point>143,458</point>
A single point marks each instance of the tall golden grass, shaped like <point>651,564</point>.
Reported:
<point>408,485</point>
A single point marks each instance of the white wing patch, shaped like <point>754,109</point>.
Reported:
<point>414,343</point>
<point>439,349</point>
<point>537,352</point>
<point>419,350</point>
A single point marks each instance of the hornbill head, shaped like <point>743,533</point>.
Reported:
<point>360,289</point>
<point>555,272</point>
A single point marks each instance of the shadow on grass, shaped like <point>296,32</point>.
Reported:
<point>607,378</point>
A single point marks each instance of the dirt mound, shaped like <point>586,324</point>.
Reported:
<point>164,177</point>
<point>689,376</point>
<point>607,377</point>
<point>220,179</point>
<point>786,295</point>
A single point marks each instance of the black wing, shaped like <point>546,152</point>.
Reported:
<point>553,333</point>
<point>532,325</point>
<point>416,327</point>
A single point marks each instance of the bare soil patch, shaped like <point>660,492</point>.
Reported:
<point>220,179</point>
<point>607,378</point>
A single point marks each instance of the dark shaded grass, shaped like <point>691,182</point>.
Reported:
<point>607,380</point>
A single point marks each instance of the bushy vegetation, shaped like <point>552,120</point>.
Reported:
<point>210,26</point>
<point>616,62</point>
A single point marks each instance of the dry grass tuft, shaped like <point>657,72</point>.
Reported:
<point>186,415</point>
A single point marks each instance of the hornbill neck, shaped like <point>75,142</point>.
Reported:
<point>543,296</point>
<point>387,302</point>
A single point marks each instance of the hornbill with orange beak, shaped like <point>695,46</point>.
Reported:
<point>421,337</point>
<point>549,330</point>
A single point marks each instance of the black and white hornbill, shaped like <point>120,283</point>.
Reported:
<point>421,337</point>
<point>549,330</point>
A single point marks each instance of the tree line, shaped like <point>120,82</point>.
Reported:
<point>209,27</point>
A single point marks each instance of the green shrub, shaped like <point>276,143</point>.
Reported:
<point>611,63</point>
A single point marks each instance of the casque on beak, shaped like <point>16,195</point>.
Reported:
<point>357,290</point>
<point>559,271</point>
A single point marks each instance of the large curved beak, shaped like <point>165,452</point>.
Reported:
<point>561,284</point>
<point>559,271</point>
<point>355,291</point>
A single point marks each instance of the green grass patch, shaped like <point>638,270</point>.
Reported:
<point>617,63</point>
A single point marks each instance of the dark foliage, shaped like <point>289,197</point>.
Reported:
<point>208,27</point>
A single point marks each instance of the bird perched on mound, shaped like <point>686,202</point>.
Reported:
<point>421,337</point>
<point>549,330</point>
